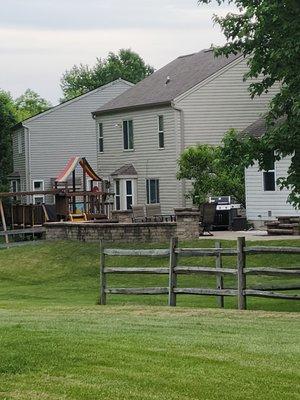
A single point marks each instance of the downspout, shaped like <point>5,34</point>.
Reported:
<point>181,147</point>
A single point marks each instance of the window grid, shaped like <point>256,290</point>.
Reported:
<point>161,134</point>
<point>100,138</point>
<point>152,188</point>
<point>128,135</point>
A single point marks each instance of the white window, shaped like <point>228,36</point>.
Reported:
<point>117,195</point>
<point>152,189</point>
<point>161,134</point>
<point>269,180</point>
<point>129,194</point>
<point>100,138</point>
<point>38,185</point>
<point>20,144</point>
<point>15,186</point>
<point>128,135</point>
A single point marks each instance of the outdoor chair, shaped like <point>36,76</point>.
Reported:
<point>153,213</point>
<point>207,217</point>
<point>138,214</point>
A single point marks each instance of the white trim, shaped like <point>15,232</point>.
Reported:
<point>148,190</point>
<point>66,103</point>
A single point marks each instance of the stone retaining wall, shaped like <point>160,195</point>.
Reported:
<point>186,227</point>
<point>111,232</point>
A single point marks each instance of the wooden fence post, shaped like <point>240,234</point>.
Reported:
<point>172,274</point>
<point>102,297</point>
<point>241,277</point>
<point>220,281</point>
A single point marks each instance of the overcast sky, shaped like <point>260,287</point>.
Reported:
<point>40,39</point>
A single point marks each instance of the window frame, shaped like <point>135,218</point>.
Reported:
<point>117,185</point>
<point>129,132</point>
<point>36,196</point>
<point>148,191</point>
<point>20,142</point>
<point>129,195</point>
<point>161,132</point>
<point>272,171</point>
<point>100,138</point>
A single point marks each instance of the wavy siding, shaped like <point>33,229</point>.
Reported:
<point>67,131</point>
<point>221,104</point>
<point>148,160</point>
<point>259,202</point>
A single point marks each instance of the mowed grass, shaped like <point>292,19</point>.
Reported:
<point>57,343</point>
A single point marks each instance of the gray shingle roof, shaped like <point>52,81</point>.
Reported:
<point>257,129</point>
<point>127,169</point>
<point>184,73</point>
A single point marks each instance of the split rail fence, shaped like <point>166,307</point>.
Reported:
<point>240,272</point>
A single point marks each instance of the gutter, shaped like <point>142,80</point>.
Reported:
<point>131,108</point>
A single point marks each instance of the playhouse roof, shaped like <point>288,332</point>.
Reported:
<point>71,166</point>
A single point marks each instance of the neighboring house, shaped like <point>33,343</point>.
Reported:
<point>264,199</point>
<point>43,144</point>
<point>194,99</point>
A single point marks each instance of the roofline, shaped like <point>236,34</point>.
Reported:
<point>175,99</point>
<point>209,78</point>
<point>132,108</point>
<point>73,100</point>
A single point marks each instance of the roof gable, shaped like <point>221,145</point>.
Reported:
<point>174,79</point>
<point>71,101</point>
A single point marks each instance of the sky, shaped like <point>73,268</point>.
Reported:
<point>41,39</point>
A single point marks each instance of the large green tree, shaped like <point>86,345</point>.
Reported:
<point>30,103</point>
<point>11,112</point>
<point>8,117</point>
<point>268,33</point>
<point>213,170</point>
<point>126,64</point>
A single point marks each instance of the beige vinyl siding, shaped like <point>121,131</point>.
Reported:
<point>260,202</point>
<point>148,160</point>
<point>19,159</point>
<point>67,131</point>
<point>220,104</point>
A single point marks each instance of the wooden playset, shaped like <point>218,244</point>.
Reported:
<point>75,200</point>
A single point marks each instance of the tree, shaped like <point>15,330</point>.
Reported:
<point>8,118</point>
<point>126,64</point>
<point>29,104</point>
<point>211,172</point>
<point>268,33</point>
<point>11,112</point>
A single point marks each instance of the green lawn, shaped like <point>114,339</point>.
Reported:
<point>56,343</point>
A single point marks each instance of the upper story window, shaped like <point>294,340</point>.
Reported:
<point>128,135</point>
<point>20,144</point>
<point>269,181</point>
<point>100,138</point>
<point>152,189</point>
<point>161,133</point>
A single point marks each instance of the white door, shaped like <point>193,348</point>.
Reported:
<point>125,193</point>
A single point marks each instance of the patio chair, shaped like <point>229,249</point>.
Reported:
<point>153,213</point>
<point>138,214</point>
<point>207,217</point>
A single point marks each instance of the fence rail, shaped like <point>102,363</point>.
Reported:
<point>240,272</point>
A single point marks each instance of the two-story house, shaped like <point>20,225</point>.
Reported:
<point>43,144</point>
<point>194,99</point>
